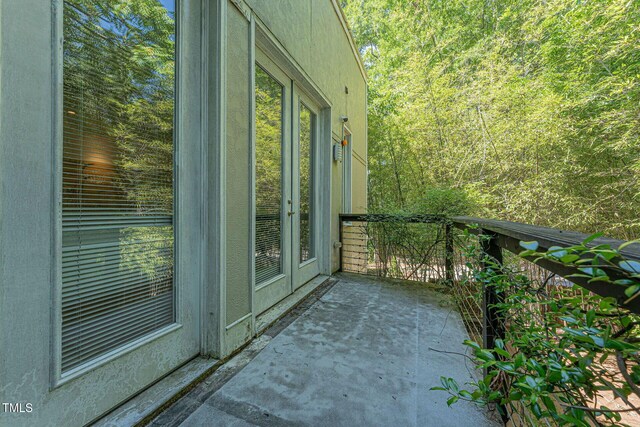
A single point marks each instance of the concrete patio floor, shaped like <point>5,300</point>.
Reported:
<point>361,352</point>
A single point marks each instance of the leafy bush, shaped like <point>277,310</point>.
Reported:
<point>564,347</point>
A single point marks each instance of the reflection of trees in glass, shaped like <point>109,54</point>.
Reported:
<point>268,176</point>
<point>119,60</point>
<point>306,183</point>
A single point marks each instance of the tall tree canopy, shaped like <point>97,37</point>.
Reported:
<point>528,110</point>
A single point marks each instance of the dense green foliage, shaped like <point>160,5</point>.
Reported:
<point>531,108</point>
<point>566,352</point>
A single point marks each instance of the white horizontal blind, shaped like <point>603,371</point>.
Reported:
<point>117,212</point>
<point>269,133</point>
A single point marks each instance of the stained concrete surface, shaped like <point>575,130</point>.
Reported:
<point>366,353</point>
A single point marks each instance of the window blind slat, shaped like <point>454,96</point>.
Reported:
<point>91,288</point>
<point>117,175</point>
<point>73,316</point>
<point>91,327</point>
<point>88,266</point>
<point>138,325</point>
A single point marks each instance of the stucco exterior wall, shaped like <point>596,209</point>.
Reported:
<point>359,177</point>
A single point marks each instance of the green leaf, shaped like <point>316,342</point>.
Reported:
<point>600,279</point>
<point>532,246</point>
<point>568,259</point>
<point>452,400</point>
<point>632,290</point>
<point>465,394</point>
<point>531,382</point>
<point>625,244</point>
<point>519,360</point>
<point>485,355</point>
<point>502,352</point>
<point>471,344</point>
<point>619,345</point>
<point>444,382</point>
<point>535,408</point>
<point>549,404</point>
<point>630,266</point>
<point>593,272</point>
<point>597,340</point>
<point>592,238</point>
<point>557,252</point>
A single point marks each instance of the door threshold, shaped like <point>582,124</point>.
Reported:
<point>266,319</point>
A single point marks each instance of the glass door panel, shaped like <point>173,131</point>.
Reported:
<point>305,195</point>
<point>272,234</point>
<point>269,132</point>
<point>305,171</point>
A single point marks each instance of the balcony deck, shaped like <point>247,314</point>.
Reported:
<point>362,351</point>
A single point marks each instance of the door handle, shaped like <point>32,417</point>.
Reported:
<point>290,213</point>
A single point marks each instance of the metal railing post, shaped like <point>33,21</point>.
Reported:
<point>448,253</point>
<point>340,249</point>
<point>493,322</point>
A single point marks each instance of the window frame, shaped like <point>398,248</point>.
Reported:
<point>186,28</point>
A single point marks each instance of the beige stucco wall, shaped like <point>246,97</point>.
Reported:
<point>359,177</point>
<point>312,34</point>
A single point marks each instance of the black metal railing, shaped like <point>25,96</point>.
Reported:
<point>389,245</point>
<point>431,248</point>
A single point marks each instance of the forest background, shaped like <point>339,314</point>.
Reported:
<point>524,110</point>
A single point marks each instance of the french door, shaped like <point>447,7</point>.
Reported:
<point>286,196</point>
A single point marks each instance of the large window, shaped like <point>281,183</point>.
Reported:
<point>118,157</point>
